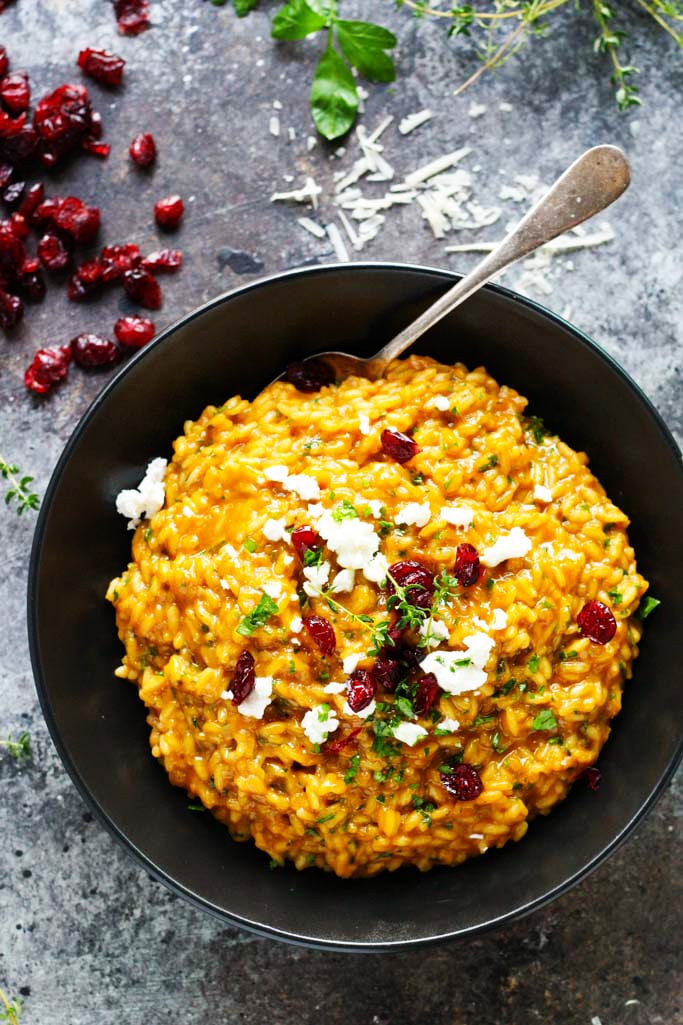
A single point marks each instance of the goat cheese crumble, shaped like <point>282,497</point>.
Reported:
<point>460,671</point>
<point>275,530</point>
<point>319,722</point>
<point>255,704</point>
<point>363,713</point>
<point>433,631</point>
<point>457,515</point>
<point>316,578</point>
<point>302,484</point>
<point>440,402</point>
<point>409,733</point>
<point>509,546</point>
<point>542,494</point>
<point>415,514</point>
<point>147,499</point>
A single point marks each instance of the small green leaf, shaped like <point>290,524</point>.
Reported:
<point>296,20</point>
<point>364,44</point>
<point>334,97</point>
<point>647,606</point>
<point>545,720</point>
<point>258,616</point>
<point>243,7</point>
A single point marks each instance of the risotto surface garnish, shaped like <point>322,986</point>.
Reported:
<point>380,624</point>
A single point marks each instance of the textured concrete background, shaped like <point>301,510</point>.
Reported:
<point>85,936</point>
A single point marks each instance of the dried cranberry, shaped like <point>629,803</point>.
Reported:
<point>321,631</point>
<point>361,689</point>
<point>92,351</point>
<point>244,678</point>
<point>17,144</point>
<point>13,193</point>
<point>134,332</point>
<point>398,446</point>
<point>11,310</point>
<point>101,65</point>
<point>142,288</point>
<point>19,226</point>
<point>593,777</point>
<point>462,782</point>
<point>12,252</point>
<point>310,375</point>
<point>416,579</point>
<point>168,211</point>
<point>597,622</point>
<point>132,16</point>
<point>62,120</point>
<point>387,673</point>
<point>116,260</point>
<point>46,212</point>
<point>77,220</point>
<point>334,746</point>
<point>4,62</point>
<point>52,252</point>
<point>15,92</point>
<point>305,539</point>
<point>11,126</point>
<point>86,282</point>
<point>98,149</point>
<point>32,200</point>
<point>49,367</point>
<point>427,693</point>
<point>467,565</point>
<point>31,282</point>
<point>143,149</point>
<point>169,260</point>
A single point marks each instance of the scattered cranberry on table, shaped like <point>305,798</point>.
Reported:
<point>168,212</point>
<point>132,16</point>
<point>101,65</point>
<point>89,351</point>
<point>596,621</point>
<point>143,149</point>
<point>49,367</point>
<point>142,288</point>
<point>15,92</point>
<point>134,332</point>
<point>163,260</point>
<point>398,446</point>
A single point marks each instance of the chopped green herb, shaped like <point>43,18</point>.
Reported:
<point>326,818</point>
<point>20,748</point>
<point>616,596</point>
<point>352,770</point>
<point>648,605</point>
<point>148,535</point>
<point>313,557</point>
<point>534,663</point>
<point>497,743</point>
<point>489,464</point>
<point>507,686</point>
<point>554,740</point>
<point>405,707</point>
<point>196,807</point>
<point>545,720</point>
<point>258,616</point>
<point>489,584</point>
<point>482,720</point>
<point>537,428</point>
<point>19,487</point>
<point>418,478</point>
<point>344,511</point>
<point>250,545</point>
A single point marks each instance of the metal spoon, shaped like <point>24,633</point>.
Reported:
<point>589,185</point>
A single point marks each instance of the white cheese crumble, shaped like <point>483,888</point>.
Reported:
<point>302,484</point>
<point>312,227</point>
<point>460,671</point>
<point>351,661</point>
<point>316,578</point>
<point>363,713</point>
<point>439,402</point>
<point>542,494</point>
<point>256,703</point>
<point>412,121</point>
<point>509,546</point>
<point>342,583</point>
<point>457,515</point>
<point>353,541</point>
<point>375,507</point>
<point>376,569</point>
<point>276,530</point>
<point>147,499</point>
<point>334,688</point>
<point>415,514</point>
<point>500,619</point>
<point>409,733</point>
<point>451,725</point>
<point>296,624</point>
<point>307,194</point>
<point>319,722</point>
<point>273,588</point>
<point>364,424</point>
<point>433,632</point>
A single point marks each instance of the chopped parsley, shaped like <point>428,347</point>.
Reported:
<point>507,686</point>
<point>313,557</point>
<point>352,770</point>
<point>149,534</point>
<point>258,616</point>
<point>497,743</point>
<point>616,596</point>
<point>533,663</point>
<point>483,720</point>
<point>537,429</point>
<point>250,545</point>
<point>488,464</point>
<point>545,720</point>
<point>344,511</point>
<point>647,606</point>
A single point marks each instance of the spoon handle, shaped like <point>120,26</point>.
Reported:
<point>592,182</point>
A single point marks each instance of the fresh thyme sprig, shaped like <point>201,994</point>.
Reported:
<point>19,749</point>
<point>10,1010</point>
<point>18,487</point>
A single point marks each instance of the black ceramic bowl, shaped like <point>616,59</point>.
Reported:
<point>238,343</point>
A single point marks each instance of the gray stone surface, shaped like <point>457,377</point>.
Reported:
<point>85,935</point>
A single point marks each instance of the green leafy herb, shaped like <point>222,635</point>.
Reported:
<point>507,686</point>
<point>488,464</point>
<point>326,818</point>
<point>364,45</point>
<point>296,20</point>
<point>334,96</point>
<point>313,557</point>
<point>497,743</point>
<point>545,720</point>
<point>251,545</point>
<point>344,511</point>
<point>196,807</point>
<point>352,770</point>
<point>18,491</point>
<point>554,740</point>
<point>258,616</point>
<point>483,720</point>
<point>20,748</point>
<point>648,605</point>
<point>616,596</point>
<point>10,1010</point>
<point>537,429</point>
<point>534,663</point>
<point>404,707</point>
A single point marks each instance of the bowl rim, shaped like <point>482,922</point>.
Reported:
<point>179,889</point>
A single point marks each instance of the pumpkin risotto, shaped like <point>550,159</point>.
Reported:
<point>382,624</point>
